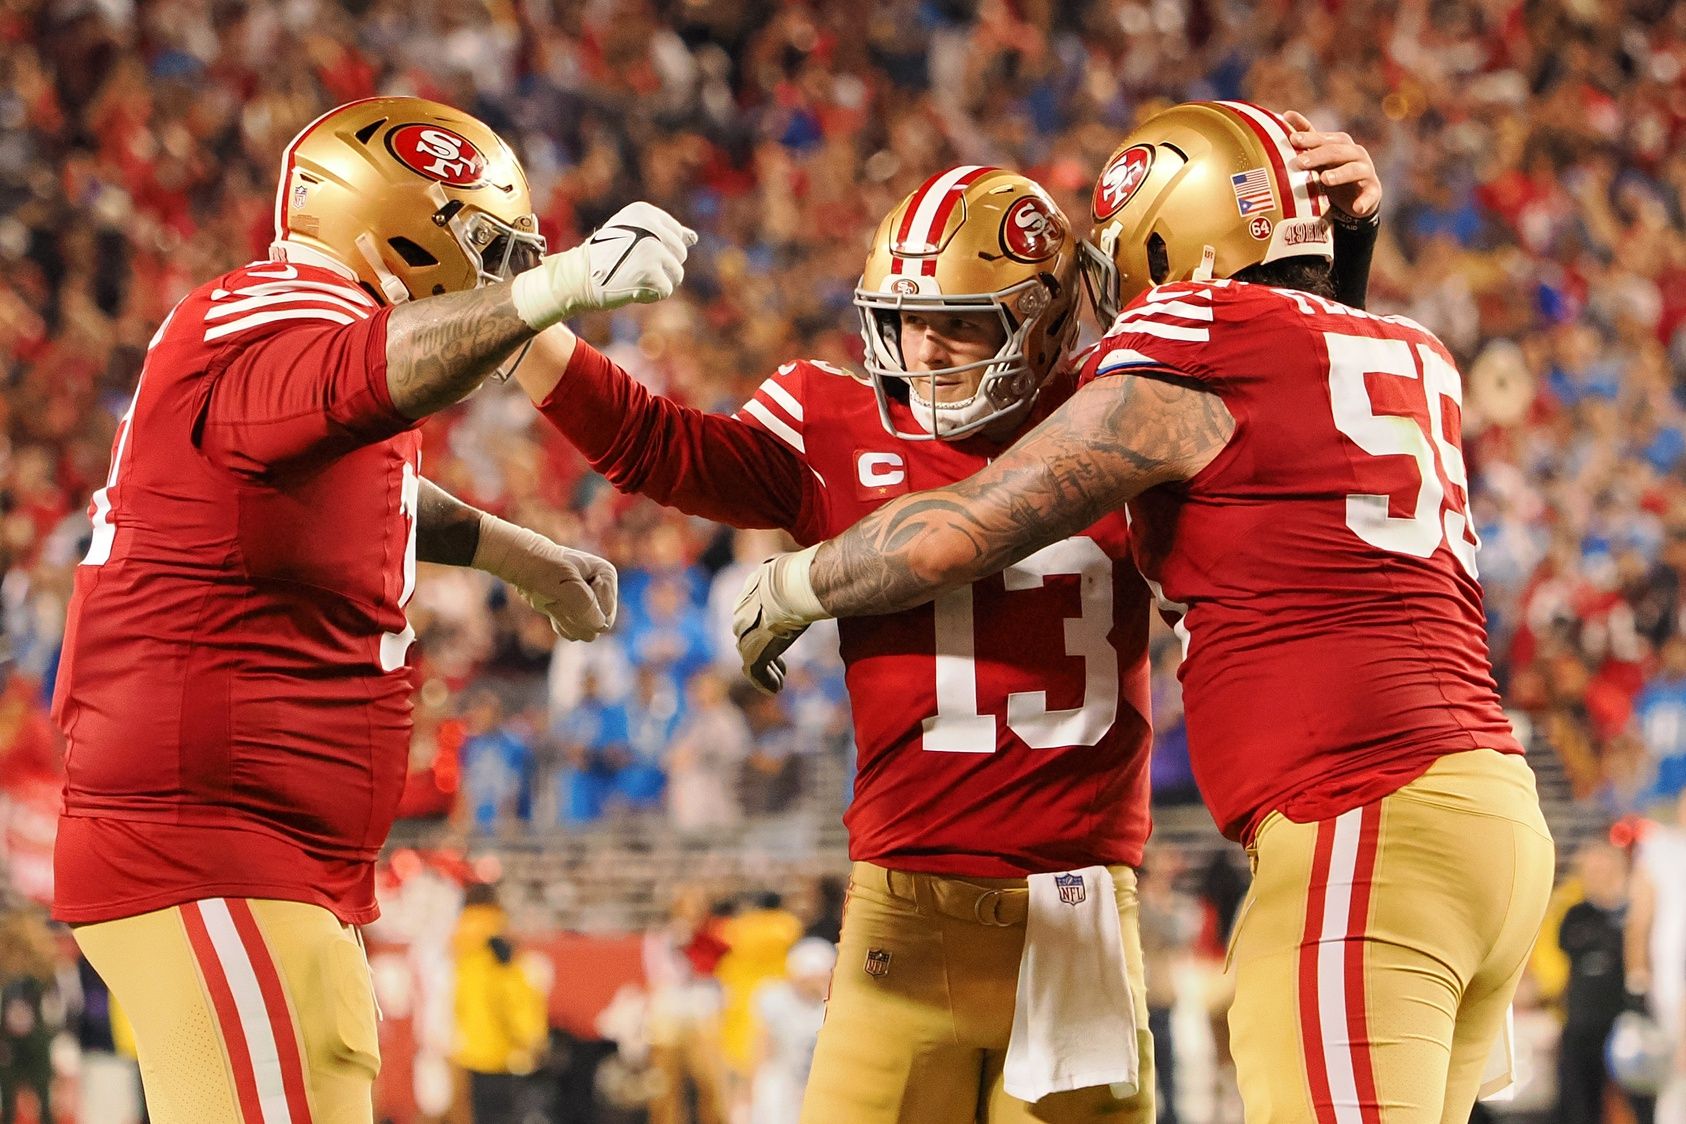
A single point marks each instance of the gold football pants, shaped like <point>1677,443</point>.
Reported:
<point>1378,951</point>
<point>922,1002</point>
<point>245,1011</point>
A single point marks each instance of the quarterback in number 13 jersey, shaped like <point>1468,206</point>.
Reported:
<point>1001,730</point>
<point>1320,572</point>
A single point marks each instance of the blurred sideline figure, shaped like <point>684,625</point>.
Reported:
<point>790,1012</point>
<point>501,1016</point>
<point>1591,935</point>
<point>1656,941</point>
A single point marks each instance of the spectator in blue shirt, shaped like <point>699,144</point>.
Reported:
<point>495,764</point>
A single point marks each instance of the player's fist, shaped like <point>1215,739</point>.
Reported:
<point>576,590</point>
<point>1340,165</point>
<point>777,605</point>
<point>638,256</point>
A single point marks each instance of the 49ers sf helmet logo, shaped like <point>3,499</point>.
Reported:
<point>1123,175</point>
<point>438,153</point>
<point>1031,230</point>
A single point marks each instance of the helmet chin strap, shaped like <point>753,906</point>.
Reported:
<point>395,290</point>
<point>941,418</point>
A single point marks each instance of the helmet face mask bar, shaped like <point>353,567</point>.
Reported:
<point>1005,389</point>
<point>1100,278</point>
<point>971,240</point>
<point>499,250</point>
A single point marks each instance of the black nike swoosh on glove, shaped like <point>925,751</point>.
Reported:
<point>638,234</point>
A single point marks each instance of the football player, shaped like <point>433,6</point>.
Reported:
<point>1295,481</point>
<point>233,692</point>
<point>1002,731</point>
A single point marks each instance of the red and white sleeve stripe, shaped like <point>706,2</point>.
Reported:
<point>776,410</point>
<point>248,306</point>
<point>251,1010</point>
<point>1179,313</point>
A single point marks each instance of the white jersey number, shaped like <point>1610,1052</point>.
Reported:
<point>395,644</point>
<point>957,727</point>
<point>1435,517</point>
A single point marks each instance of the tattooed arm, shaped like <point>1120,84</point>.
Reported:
<point>440,348</point>
<point>1114,439</point>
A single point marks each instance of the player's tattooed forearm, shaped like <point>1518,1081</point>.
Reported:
<point>1114,439</point>
<point>440,348</point>
<point>447,530</point>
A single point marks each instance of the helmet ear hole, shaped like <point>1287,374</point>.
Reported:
<point>413,254</point>
<point>1158,259</point>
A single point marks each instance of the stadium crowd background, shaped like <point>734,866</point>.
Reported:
<point>1534,157</point>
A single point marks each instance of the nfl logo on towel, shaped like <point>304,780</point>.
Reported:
<point>1252,191</point>
<point>1072,891</point>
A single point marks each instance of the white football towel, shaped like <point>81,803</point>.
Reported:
<point>1499,1076</point>
<point>1075,1022</point>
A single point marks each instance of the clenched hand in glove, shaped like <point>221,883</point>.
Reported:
<point>576,590</point>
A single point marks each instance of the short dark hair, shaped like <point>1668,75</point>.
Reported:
<point>1303,272</point>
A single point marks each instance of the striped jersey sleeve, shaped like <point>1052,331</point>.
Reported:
<point>1166,329</point>
<point>295,369</point>
<point>776,408</point>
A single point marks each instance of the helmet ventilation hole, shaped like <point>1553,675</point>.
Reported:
<point>412,254</point>
<point>1158,259</point>
<point>368,131</point>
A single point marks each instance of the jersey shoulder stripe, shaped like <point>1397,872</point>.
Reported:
<point>269,294</point>
<point>784,401</point>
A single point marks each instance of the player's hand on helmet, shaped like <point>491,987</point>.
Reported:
<point>777,605</point>
<point>576,590</point>
<point>1340,165</point>
<point>638,256</point>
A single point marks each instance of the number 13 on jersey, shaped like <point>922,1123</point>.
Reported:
<point>958,727</point>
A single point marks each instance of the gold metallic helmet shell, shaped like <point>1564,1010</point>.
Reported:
<point>970,239</point>
<point>1216,181</point>
<point>414,197</point>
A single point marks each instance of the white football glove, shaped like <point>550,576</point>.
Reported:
<point>638,255</point>
<point>777,605</point>
<point>576,590</point>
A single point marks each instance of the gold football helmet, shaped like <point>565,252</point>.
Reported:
<point>1201,190</point>
<point>414,197</point>
<point>970,239</point>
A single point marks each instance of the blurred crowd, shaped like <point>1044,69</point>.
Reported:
<point>1534,155</point>
<point>1535,218</point>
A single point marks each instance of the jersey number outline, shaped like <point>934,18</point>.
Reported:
<point>957,727</point>
<point>1435,517</point>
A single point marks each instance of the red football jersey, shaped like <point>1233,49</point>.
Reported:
<point>233,691</point>
<point>1001,730</point>
<point>1320,572</point>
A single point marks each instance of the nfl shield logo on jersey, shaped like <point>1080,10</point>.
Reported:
<point>877,963</point>
<point>1071,888</point>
